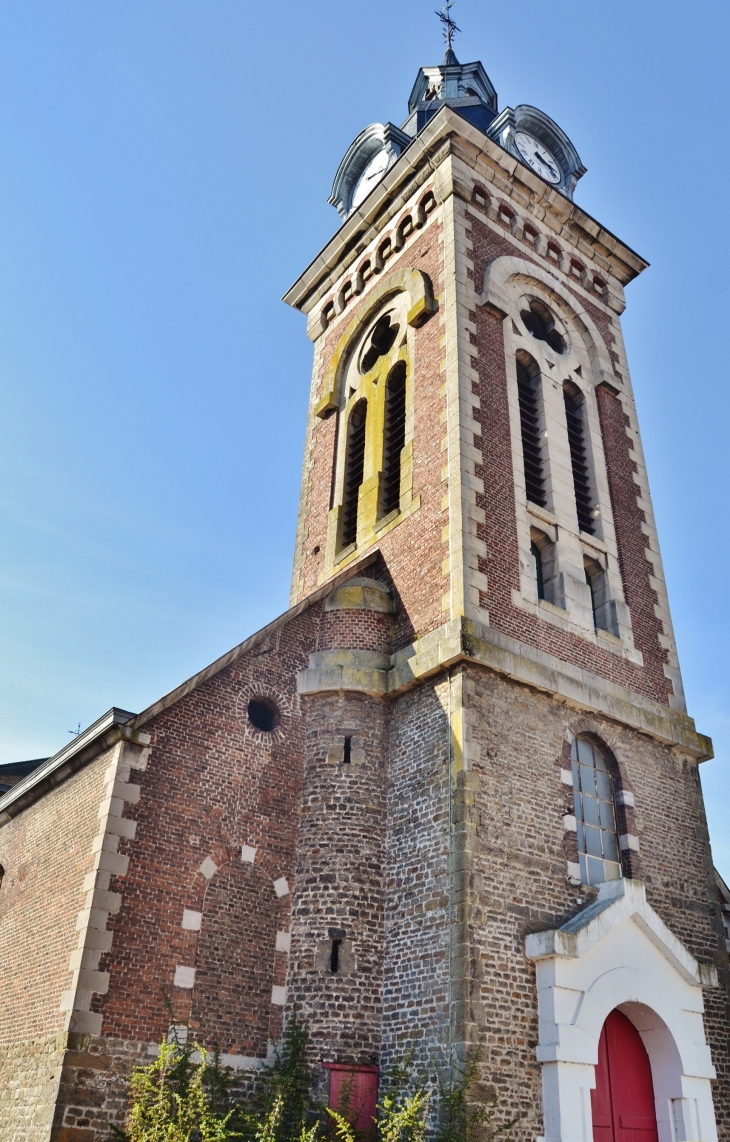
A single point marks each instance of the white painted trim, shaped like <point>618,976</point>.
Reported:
<point>618,953</point>
<point>94,938</point>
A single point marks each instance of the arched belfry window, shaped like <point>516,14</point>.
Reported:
<point>394,437</point>
<point>354,467</point>
<point>528,391</point>
<point>372,459</point>
<point>575,411</point>
<point>595,814</point>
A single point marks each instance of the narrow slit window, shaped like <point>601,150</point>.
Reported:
<point>527,390</point>
<point>347,752</point>
<point>591,588</point>
<point>354,467</point>
<point>335,956</point>
<point>394,438</point>
<point>595,814</point>
<point>574,416</point>
<point>537,556</point>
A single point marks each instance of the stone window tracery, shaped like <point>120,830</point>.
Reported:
<point>563,500</point>
<point>541,324</point>
<point>372,472</point>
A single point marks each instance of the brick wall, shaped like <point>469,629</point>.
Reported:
<point>213,784</point>
<point>521,870</point>
<point>499,531</point>
<point>635,568</point>
<point>235,962</point>
<point>413,549</point>
<point>45,854</point>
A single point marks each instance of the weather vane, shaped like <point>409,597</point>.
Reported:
<point>450,27</point>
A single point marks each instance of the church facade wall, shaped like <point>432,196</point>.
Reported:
<point>413,550</point>
<point>501,562</point>
<point>213,784</point>
<point>520,880</point>
<point>45,853</point>
<point>216,794</point>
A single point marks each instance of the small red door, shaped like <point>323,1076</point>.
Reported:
<point>623,1100</point>
<point>354,1093</point>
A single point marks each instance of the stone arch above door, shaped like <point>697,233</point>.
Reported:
<point>618,953</point>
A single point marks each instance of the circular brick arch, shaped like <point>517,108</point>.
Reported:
<point>252,687</point>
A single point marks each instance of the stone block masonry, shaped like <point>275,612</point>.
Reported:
<point>520,882</point>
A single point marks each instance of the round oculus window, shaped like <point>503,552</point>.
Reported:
<point>263,714</point>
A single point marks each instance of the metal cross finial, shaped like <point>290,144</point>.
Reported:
<point>450,27</point>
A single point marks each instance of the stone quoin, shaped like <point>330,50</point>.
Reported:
<point>451,796</point>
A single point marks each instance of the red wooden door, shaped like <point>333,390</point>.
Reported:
<point>623,1100</point>
<point>354,1093</point>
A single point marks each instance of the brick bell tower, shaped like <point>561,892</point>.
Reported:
<point>502,834</point>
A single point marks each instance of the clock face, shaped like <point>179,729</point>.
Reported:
<point>372,174</point>
<point>538,157</point>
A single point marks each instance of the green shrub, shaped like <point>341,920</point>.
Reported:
<point>177,1098</point>
<point>174,1099</point>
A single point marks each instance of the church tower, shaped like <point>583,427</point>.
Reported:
<point>501,780</point>
<point>450,799</point>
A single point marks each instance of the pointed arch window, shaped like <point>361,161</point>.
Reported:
<point>575,419</point>
<point>354,467</point>
<point>528,392</point>
<point>394,437</point>
<point>595,814</point>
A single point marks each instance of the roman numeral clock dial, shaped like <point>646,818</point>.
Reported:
<point>538,157</point>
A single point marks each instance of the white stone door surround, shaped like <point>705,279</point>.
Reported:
<point>619,953</point>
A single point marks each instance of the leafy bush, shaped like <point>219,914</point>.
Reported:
<point>174,1099</point>
<point>283,1109</point>
<point>177,1098</point>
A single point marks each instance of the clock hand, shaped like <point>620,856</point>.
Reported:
<point>549,165</point>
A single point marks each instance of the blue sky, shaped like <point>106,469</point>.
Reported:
<point>164,173</point>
